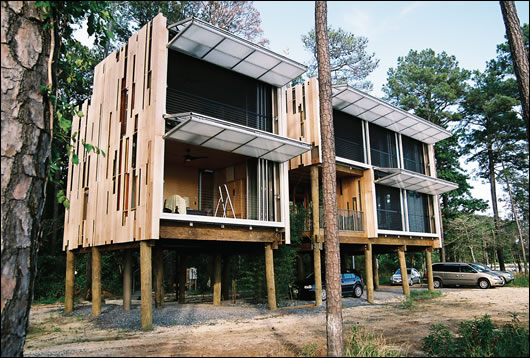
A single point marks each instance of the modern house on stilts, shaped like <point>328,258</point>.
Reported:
<point>206,145</point>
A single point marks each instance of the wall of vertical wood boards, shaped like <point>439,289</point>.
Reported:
<point>101,211</point>
<point>303,120</point>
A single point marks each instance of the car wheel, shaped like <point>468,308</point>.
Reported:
<point>503,281</point>
<point>437,283</point>
<point>483,283</point>
<point>357,291</point>
<point>410,282</point>
<point>324,294</point>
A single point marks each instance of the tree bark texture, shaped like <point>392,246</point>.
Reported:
<point>519,56</point>
<point>494,204</point>
<point>329,183</point>
<point>25,147</point>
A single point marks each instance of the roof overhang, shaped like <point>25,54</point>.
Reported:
<point>217,134</point>
<point>376,111</point>
<point>409,180</point>
<point>209,43</point>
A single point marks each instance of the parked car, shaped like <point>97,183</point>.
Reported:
<point>463,274</point>
<point>352,285</point>
<point>413,275</point>
<point>506,276</point>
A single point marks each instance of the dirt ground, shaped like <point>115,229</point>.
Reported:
<point>285,332</point>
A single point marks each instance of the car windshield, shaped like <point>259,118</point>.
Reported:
<point>479,268</point>
<point>398,272</point>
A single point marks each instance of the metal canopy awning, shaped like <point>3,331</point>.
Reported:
<point>376,111</point>
<point>409,180</point>
<point>206,42</point>
<point>217,134</point>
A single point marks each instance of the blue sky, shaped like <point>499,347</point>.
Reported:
<point>469,30</point>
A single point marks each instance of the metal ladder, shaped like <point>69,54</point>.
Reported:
<point>224,203</point>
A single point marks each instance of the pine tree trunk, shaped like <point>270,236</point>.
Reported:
<point>494,204</point>
<point>329,184</point>
<point>25,149</point>
<point>519,56</point>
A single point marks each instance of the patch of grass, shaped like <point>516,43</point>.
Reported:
<point>478,338</point>
<point>520,280</point>
<point>362,344</point>
<point>309,350</point>
<point>419,295</point>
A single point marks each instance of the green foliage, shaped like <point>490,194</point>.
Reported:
<point>478,338</point>
<point>350,61</point>
<point>520,280</point>
<point>361,344</point>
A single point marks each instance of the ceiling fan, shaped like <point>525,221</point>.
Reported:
<point>188,157</point>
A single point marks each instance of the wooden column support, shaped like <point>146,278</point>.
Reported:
<point>316,204</point>
<point>96,281</point>
<point>375,267</point>
<point>146,272</point>
<point>69,284</point>
<point>269,273</point>
<point>217,280</point>
<point>318,274</point>
<point>159,277</point>
<point>403,268</point>
<point>226,278</point>
<point>428,260</point>
<point>127,279</point>
<point>182,279</point>
<point>369,273</point>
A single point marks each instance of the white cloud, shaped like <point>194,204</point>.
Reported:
<point>409,8</point>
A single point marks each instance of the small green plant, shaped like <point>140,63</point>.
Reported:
<point>309,350</point>
<point>362,344</point>
<point>520,280</point>
<point>420,295</point>
<point>478,338</point>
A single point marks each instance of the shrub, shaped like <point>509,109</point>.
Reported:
<point>362,344</point>
<point>520,280</point>
<point>478,338</point>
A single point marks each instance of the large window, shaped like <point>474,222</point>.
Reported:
<point>383,147</point>
<point>198,86</point>
<point>388,208</point>
<point>348,136</point>
<point>413,155</point>
<point>418,212</point>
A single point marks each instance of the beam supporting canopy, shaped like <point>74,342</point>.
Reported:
<point>409,180</point>
<point>198,129</point>
<point>376,111</point>
<point>202,40</point>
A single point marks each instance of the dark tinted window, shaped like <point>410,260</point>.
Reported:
<point>388,208</point>
<point>348,136</point>
<point>451,268</point>
<point>383,147</point>
<point>437,267</point>
<point>418,211</point>
<point>413,155</point>
<point>466,268</point>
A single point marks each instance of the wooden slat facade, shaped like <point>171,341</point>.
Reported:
<point>128,102</point>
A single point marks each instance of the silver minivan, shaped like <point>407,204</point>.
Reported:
<point>462,274</point>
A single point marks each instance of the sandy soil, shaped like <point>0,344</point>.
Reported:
<point>279,333</point>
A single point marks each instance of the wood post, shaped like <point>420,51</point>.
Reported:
<point>226,278</point>
<point>375,267</point>
<point>318,274</point>
<point>182,280</point>
<point>428,260</point>
<point>159,277</point>
<point>127,279</point>
<point>96,281</point>
<point>70,280</point>
<point>146,272</point>
<point>269,273</point>
<point>217,280</point>
<point>369,273</point>
<point>403,268</point>
<point>316,204</point>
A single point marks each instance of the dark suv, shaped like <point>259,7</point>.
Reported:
<point>352,284</point>
<point>463,274</point>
